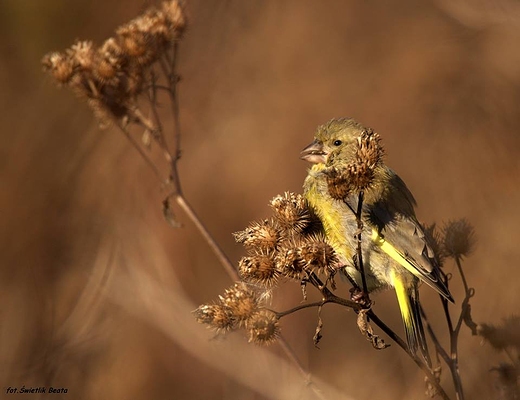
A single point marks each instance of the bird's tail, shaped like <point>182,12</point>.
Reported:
<point>408,299</point>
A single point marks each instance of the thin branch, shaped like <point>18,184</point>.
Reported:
<point>359,242</point>
<point>301,307</point>
<point>438,347</point>
<point>169,71</point>
<point>158,132</point>
<point>462,275</point>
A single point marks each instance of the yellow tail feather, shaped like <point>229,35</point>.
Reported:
<point>406,311</point>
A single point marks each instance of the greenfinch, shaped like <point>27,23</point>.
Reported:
<point>396,253</point>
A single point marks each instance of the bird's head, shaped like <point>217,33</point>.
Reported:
<point>338,138</point>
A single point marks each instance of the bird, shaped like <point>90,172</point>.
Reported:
<point>396,252</point>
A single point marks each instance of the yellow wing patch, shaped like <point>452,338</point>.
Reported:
<point>394,253</point>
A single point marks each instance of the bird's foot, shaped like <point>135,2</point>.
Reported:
<point>361,297</point>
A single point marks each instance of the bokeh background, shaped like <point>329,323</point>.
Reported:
<point>96,289</point>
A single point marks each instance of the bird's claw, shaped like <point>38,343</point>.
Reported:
<point>360,297</point>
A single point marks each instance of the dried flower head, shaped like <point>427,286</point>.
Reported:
<point>507,381</point>
<point>136,44</point>
<point>263,235</point>
<point>291,211</point>
<point>82,55</point>
<point>492,335</point>
<point>288,261</point>
<point>339,182</point>
<point>459,238</point>
<point>175,17</point>
<point>263,327</point>
<point>316,254</point>
<point>217,316</point>
<point>259,267</point>
<point>369,149</point>
<point>59,65</point>
<point>359,173</point>
<point>109,63</point>
<point>511,328</point>
<point>501,337</point>
<point>241,302</point>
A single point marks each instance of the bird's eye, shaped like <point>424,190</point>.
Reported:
<point>337,142</point>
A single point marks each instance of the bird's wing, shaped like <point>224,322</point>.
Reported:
<point>398,233</point>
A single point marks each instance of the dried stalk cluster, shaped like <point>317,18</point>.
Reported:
<point>287,245</point>
<point>112,76</point>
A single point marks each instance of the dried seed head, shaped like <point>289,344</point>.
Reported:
<point>146,37</point>
<point>82,55</point>
<point>511,328</point>
<point>59,65</point>
<point>217,316</point>
<point>111,49</point>
<point>501,337</point>
<point>459,238</point>
<point>263,327</point>
<point>136,45</point>
<point>369,149</point>
<point>263,235</point>
<point>291,211</point>
<point>359,173</point>
<point>106,71</point>
<point>338,182</point>
<point>288,261</point>
<point>507,381</point>
<point>109,63</point>
<point>492,335</point>
<point>240,301</point>
<point>175,16</point>
<point>316,254</point>
<point>259,268</point>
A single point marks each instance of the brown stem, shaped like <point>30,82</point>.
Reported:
<point>300,307</point>
<point>454,334</point>
<point>359,249</point>
<point>438,347</point>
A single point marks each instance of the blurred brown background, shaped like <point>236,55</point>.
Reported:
<point>82,228</point>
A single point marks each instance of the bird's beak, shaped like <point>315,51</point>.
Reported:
<point>314,153</point>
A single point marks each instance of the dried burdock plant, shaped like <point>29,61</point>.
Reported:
<point>259,267</point>
<point>263,327</point>
<point>359,173</point>
<point>459,238</point>
<point>291,212</point>
<point>111,77</point>
<point>218,316</point>
<point>264,235</point>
